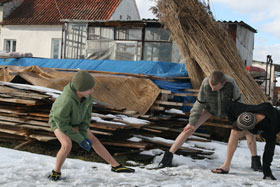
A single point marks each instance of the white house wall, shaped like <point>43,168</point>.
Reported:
<point>31,39</point>
<point>127,10</point>
<point>245,44</point>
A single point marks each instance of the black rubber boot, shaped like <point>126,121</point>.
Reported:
<point>166,160</point>
<point>256,163</point>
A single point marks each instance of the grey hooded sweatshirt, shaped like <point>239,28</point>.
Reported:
<point>214,101</point>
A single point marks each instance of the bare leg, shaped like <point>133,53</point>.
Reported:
<point>232,145</point>
<point>183,136</point>
<point>188,131</point>
<point>66,145</point>
<point>252,144</point>
<point>101,150</point>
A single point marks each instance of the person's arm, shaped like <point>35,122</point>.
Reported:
<point>237,96</point>
<point>83,127</point>
<point>199,104</point>
<point>268,157</point>
<point>205,115</point>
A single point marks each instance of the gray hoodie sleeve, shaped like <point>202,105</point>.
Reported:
<point>199,103</point>
<point>236,92</point>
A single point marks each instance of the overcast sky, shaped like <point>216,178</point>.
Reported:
<point>263,15</point>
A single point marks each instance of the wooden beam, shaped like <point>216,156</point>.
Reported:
<point>101,133</point>
<point>36,127</point>
<point>23,144</point>
<point>159,108</point>
<point>19,133</point>
<point>42,137</point>
<point>185,94</point>
<point>27,102</point>
<point>173,103</point>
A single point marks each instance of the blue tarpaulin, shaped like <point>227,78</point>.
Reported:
<point>159,69</point>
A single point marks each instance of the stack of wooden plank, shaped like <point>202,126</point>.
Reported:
<point>24,111</point>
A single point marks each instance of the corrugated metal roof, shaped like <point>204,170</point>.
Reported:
<point>240,23</point>
<point>49,12</point>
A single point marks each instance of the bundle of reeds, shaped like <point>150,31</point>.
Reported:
<point>205,45</point>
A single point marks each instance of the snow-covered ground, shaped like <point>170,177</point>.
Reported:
<point>23,169</point>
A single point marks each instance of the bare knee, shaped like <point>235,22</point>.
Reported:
<point>251,139</point>
<point>250,136</point>
<point>234,132</point>
<point>66,146</point>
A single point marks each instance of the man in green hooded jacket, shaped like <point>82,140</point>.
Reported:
<point>70,117</point>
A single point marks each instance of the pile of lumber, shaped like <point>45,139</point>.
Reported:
<point>24,111</point>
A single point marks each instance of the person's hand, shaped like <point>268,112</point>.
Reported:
<point>86,144</point>
<point>189,127</point>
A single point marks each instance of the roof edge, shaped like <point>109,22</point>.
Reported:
<point>242,23</point>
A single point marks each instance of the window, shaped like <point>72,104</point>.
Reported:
<point>55,53</point>
<point>100,33</point>
<point>128,33</point>
<point>156,34</point>
<point>10,45</point>
<point>128,50</point>
<point>75,40</point>
<point>154,51</point>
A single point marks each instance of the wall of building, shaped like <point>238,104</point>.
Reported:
<point>31,39</point>
<point>245,44</point>
<point>127,10</point>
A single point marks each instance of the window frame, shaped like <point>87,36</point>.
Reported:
<point>12,45</point>
<point>59,47</point>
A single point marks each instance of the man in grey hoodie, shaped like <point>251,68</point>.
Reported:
<point>216,91</point>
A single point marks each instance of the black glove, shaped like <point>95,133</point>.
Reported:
<point>86,144</point>
<point>267,173</point>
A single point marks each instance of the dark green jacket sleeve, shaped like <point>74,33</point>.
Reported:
<point>61,116</point>
<point>83,128</point>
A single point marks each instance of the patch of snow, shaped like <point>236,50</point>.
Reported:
<point>174,111</point>
<point>19,168</point>
<point>100,120</point>
<point>133,120</point>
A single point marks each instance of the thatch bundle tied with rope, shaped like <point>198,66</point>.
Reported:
<point>205,45</point>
